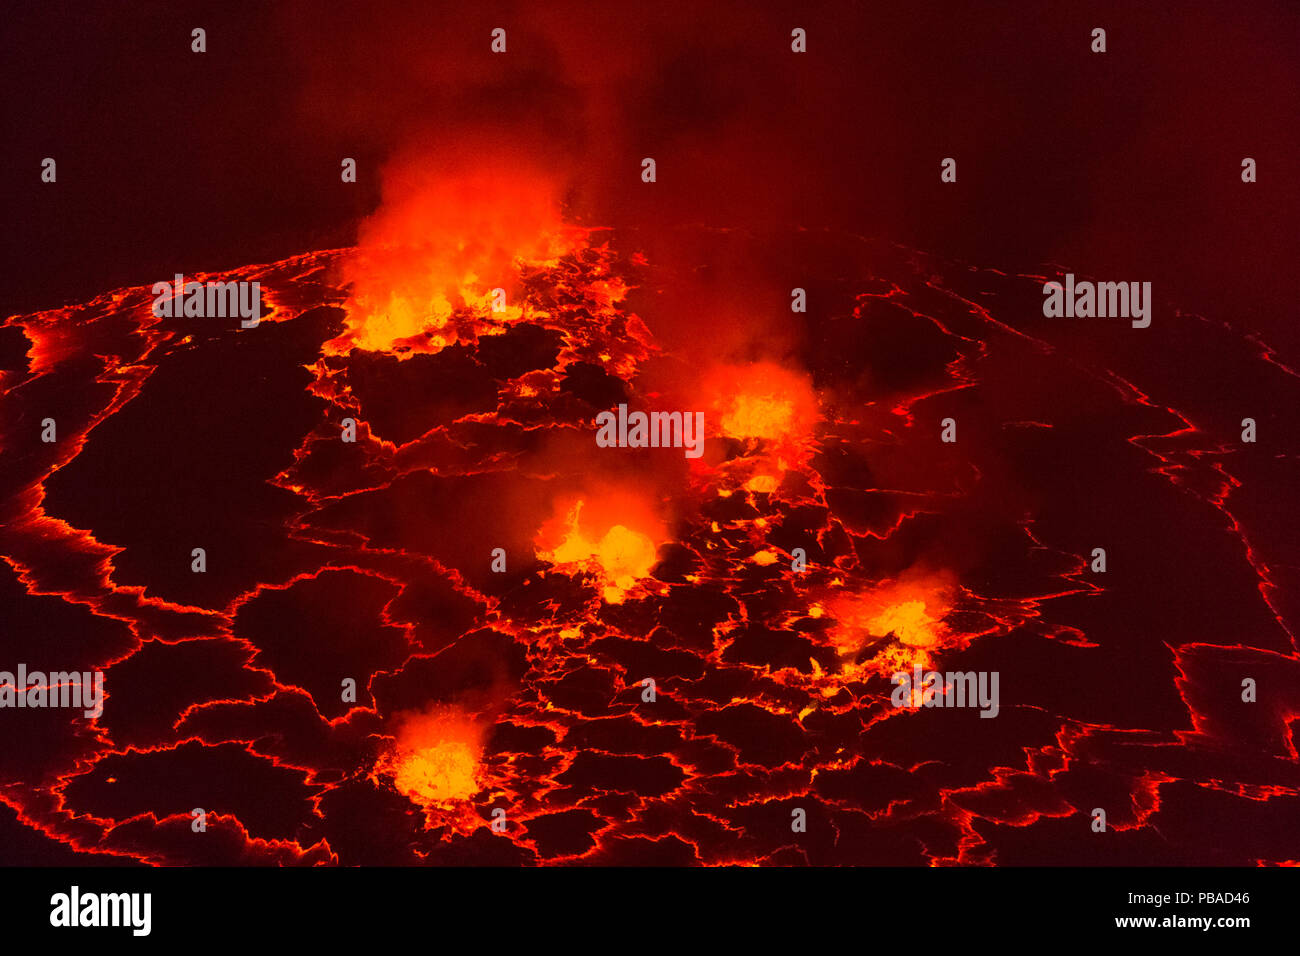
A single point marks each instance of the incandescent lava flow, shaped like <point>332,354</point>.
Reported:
<point>499,590</point>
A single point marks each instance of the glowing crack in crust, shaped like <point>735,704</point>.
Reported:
<point>523,689</point>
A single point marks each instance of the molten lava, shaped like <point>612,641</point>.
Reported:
<point>763,483</point>
<point>772,410</point>
<point>758,416</point>
<point>441,244</point>
<point>780,613</point>
<point>619,556</point>
<point>436,759</point>
<point>894,628</point>
<point>909,622</point>
<point>762,401</point>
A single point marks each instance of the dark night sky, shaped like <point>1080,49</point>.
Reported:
<point>1124,165</point>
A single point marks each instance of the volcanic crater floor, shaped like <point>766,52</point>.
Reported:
<point>525,690</point>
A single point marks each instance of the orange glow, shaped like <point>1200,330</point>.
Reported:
<point>758,416</point>
<point>762,400</point>
<point>908,613</point>
<point>909,622</point>
<point>435,762</point>
<point>438,774</point>
<point>442,241</point>
<point>591,537</point>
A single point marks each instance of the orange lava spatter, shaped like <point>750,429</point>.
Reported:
<point>620,556</point>
<point>761,400</point>
<point>894,627</point>
<point>435,761</point>
<point>441,244</point>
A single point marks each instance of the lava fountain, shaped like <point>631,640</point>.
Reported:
<point>614,538</point>
<point>441,244</point>
<point>771,410</point>
<point>894,627</point>
<point>436,759</point>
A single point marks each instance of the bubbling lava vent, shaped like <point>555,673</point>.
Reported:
<point>635,657</point>
<point>620,556</point>
<point>442,250</point>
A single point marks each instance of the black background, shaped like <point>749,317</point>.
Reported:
<point>1123,165</point>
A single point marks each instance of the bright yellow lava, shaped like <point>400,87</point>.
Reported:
<point>621,556</point>
<point>438,775</point>
<point>909,622</point>
<point>910,613</point>
<point>439,243</point>
<point>758,416</point>
<point>435,759</point>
